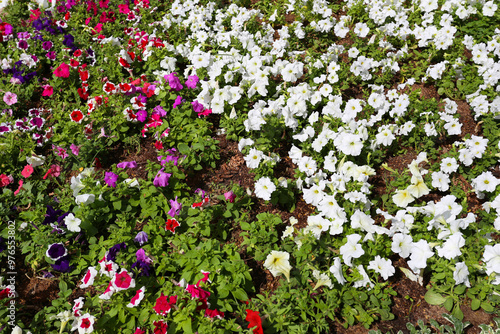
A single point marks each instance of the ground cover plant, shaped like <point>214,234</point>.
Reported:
<point>287,166</point>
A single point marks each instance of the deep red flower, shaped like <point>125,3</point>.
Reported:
<point>160,327</point>
<point>164,304</point>
<point>158,145</point>
<point>4,293</point>
<point>254,321</point>
<point>171,225</point>
<point>76,116</point>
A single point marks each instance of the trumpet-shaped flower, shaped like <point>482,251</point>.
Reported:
<point>402,198</point>
<point>461,274</point>
<point>323,279</point>
<point>277,263</point>
<point>351,249</point>
<point>382,266</point>
<point>491,257</point>
<point>418,188</point>
<point>264,188</point>
<point>72,223</point>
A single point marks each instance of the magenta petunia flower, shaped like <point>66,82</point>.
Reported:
<point>192,81</point>
<point>161,179</point>
<point>10,98</point>
<point>110,179</point>
<point>127,164</point>
<point>177,101</point>
<point>62,71</point>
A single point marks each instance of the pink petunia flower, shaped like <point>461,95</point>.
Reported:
<point>75,149</point>
<point>89,277</point>
<point>48,90</point>
<point>21,182</point>
<point>123,281</point>
<point>27,171</point>
<point>10,98</point>
<point>139,295</point>
<point>62,71</point>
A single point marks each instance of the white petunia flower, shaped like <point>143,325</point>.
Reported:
<point>264,187</point>
<point>72,223</point>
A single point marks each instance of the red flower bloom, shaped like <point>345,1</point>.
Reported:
<point>163,306</point>
<point>4,293</point>
<point>254,321</point>
<point>74,63</point>
<point>62,71</point>
<point>171,225</point>
<point>160,327</point>
<point>158,145</point>
<point>76,116</point>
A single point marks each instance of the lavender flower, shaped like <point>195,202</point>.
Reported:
<point>141,238</point>
<point>175,207</point>
<point>161,179</point>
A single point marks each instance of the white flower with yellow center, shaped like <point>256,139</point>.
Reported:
<point>277,263</point>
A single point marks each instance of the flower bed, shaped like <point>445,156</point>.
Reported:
<point>271,166</point>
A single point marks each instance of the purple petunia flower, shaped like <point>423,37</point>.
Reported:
<point>47,45</point>
<point>143,263</point>
<point>169,158</point>
<point>230,196</point>
<point>161,179</point>
<point>175,207</point>
<point>177,101</point>
<point>127,164</point>
<point>192,81</point>
<point>110,179</point>
<point>56,251</point>
<point>141,238</point>
<point>62,265</point>
<point>197,106</point>
<point>142,115</point>
<point>51,215</point>
<point>160,111</point>
<point>173,81</point>
<point>111,256</point>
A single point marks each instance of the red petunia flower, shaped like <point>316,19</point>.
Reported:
<point>254,321</point>
<point>164,304</point>
<point>76,116</point>
<point>171,225</point>
<point>160,327</point>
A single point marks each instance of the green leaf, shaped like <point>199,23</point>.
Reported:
<point>448,304</point>
<point>183,148</point>
<point>475,304</point>
<point>434,298</point>
<point>487,307</point>
<point>240,294</point>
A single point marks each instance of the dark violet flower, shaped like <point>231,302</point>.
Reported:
<point>37,24</point>
<point>51,215</point>
<point>175,207</point>
<point>192,81</point>
<point>56,251</point>
<point>69,40</point>
<point>177,101</point>
<point>197,106</point>
<point>142,115</point>
<point>114,250</point>
<point>141,238</point>
<point>23,44</point>
<point>127,164</point>
<point>161,179</point>
<point>60,220</point>
<point>143,263</point>
<point>110,179</point>
<point>62,265</point>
